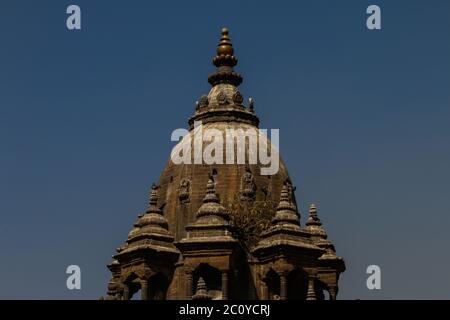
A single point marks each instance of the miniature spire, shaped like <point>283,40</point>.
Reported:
<point>212,220</point>
<point>211,195</point>
<point>314,225</point>
<point>313,219</point>
<point>201,293</point>
<point>250,105</point>
<point>153,217</point>
<point>286,210</point>
<point>211,205</point>
<point>151,227</point>
<point>152,204</point>
<point>319,235</point>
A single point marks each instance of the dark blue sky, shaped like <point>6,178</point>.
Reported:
<point>86,117</point>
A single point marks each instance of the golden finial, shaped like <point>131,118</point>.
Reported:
<point>225,60</point>
<point>225,47</point>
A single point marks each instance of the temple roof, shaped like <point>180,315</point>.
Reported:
<point>150,230</point>
<point>230,216</point>
<point>285,230</point>
<point>319,236</point>
<point>212,222</point>
<point>182,185</point>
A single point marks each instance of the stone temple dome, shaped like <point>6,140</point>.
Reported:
<point>225,229</point>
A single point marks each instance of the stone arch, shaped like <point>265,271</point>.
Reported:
<point>297,284</point>
<point>131,285</point>
<point>151,284</point>
<point>157,286</point>
<point>272,282</point>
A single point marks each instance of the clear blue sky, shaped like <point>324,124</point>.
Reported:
<point>86,117</point>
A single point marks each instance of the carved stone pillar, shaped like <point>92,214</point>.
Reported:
<point>265,291</point>
<point>283,286</point>
<point>189,286</point>
<point>332,290</point>
<point>224,285</point>
<point>144,289</point>
<point>126,292</point>
<point>311,295</point>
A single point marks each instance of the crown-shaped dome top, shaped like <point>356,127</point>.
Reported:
<point>224,102</point>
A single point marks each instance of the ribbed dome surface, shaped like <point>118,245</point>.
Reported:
<point>228,179</point>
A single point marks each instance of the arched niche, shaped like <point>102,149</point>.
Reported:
<point>297,285</point>
<point>212,278</point>
<point>272,280</point>
<point>157,287</point>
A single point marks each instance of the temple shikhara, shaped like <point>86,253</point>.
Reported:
<point>225,231</point>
